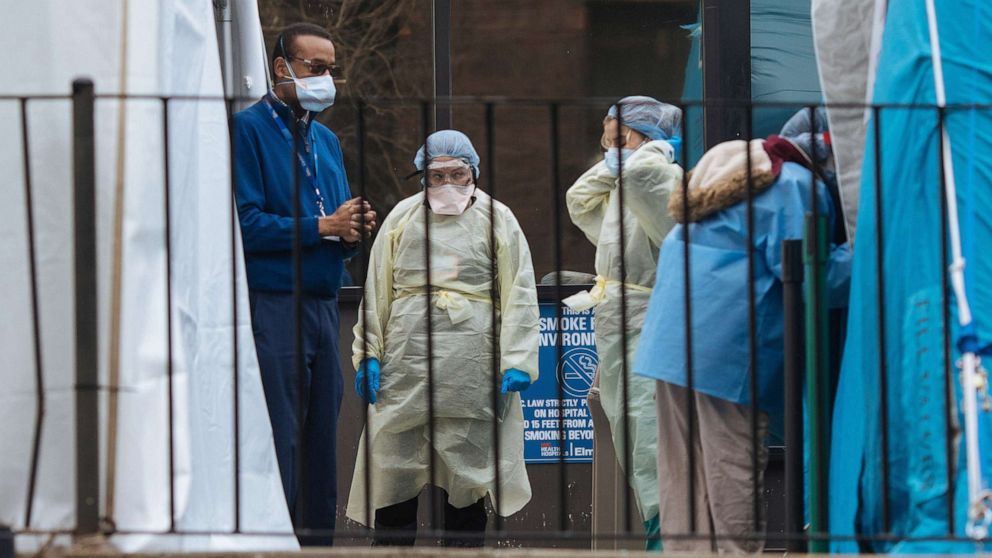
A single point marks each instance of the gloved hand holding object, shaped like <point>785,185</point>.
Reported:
<point>368,377</point>
<point>515,380</point>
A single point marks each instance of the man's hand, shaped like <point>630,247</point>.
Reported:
<point>368,215</point>
<point>340,222</point>
<point>346,221</point>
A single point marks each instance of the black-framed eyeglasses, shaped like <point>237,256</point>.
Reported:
<point>458,176</point>
<point>316,68</point>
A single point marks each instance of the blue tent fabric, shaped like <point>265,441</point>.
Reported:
<point>692,92</point>
<point>913,270</point>
<point>783,61</point>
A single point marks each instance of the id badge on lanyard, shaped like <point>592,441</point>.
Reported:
<point>311,175</point>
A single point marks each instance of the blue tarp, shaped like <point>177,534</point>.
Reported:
<point>913,269</point>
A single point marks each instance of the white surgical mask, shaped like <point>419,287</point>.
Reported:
<point>450,199</point>
<point>315,93</point>
<point>613,157</point>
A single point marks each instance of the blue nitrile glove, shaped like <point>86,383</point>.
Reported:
<point>515,380</point>
<point>652,531</point>
<point>368,377</point>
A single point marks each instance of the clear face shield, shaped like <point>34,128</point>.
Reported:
<point>449,186</point>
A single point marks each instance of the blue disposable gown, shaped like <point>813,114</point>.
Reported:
<point>719,293</point>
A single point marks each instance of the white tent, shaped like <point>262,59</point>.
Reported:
<point>847,36</point>
<point>167,47</point>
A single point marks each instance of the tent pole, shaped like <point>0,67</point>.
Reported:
<point>117,279</point>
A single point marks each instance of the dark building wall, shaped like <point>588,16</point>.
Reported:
<point>568,51</point>
<point>534,50</point>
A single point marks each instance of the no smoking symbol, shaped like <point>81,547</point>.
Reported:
<point>576,371</point>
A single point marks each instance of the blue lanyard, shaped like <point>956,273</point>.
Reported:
<point>311,176</point>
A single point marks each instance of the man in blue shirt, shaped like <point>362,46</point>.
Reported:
<point>277,142</point>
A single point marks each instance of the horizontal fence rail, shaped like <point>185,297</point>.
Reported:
<point>568,501</point>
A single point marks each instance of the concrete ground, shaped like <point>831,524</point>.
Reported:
<point>360,552</point>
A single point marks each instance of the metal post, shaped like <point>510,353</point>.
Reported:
<point>792,298</point>
<point>726,68</point>
<point>84,222</point>
<point>6,542</point>
<point>817,379</point>
<point>441,22</point>
<point>225,44</point>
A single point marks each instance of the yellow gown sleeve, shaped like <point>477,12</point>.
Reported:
<point>377,299</point>
<point>519,328</point>
<point>587,199</point>
<point>648,180</point>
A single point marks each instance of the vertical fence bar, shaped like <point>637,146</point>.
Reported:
<point>39,383</point>
<point>85,293</point>
<point>434,505</point>
<point>815,355</point>
<point>752,329</point>
<point>883,377</point>
<point>299,361</point>
<point>235,348</point>
<point>792,297</point>
<point>690,379</point>
<point>819,240</point>
<point>949,406</point>
<point>495,298</point>
<point>166,206</point>
<point>363,192</point>
<point>812,186</point>
<point>625,389</point>
<point>817,359</point>
<point>444,22</point>
<point>817,380</point>
<point>559,344</point>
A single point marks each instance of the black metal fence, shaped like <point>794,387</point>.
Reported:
<point>806,327</point>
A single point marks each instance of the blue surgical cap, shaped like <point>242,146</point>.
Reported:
<point>809,135</point>
<point>448,143</point>
<point>651,117</point>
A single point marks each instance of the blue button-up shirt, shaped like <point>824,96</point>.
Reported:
<point>265,169</point>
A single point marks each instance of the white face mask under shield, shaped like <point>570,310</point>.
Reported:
<point>449,198</point>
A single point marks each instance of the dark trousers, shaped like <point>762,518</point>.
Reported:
<point>396,525</point>
<point>303,411</point>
